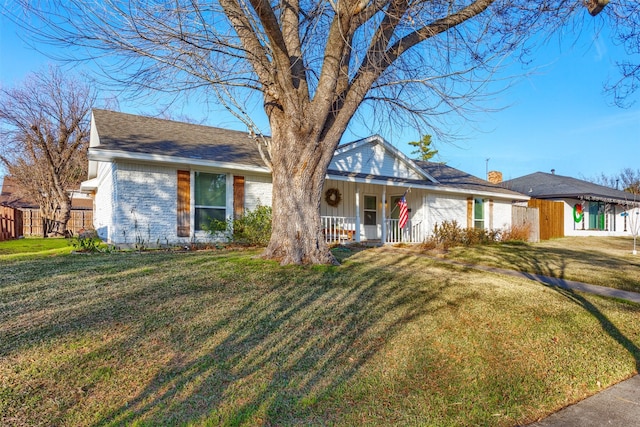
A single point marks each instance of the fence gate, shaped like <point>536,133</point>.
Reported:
<point>523,216</point>
<point>10,223</point>
<point>551,218</point>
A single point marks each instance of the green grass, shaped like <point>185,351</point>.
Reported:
<point>33,246</point>
<point>224,338</point>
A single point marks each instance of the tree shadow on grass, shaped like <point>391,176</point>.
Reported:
<point>283,352</point>
<point>607,325</point>
<point>227,340</point>
<point>553,263</point>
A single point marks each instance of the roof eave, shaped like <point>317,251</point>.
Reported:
<point>102,155</point>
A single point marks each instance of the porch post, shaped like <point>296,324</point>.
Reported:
<point>357,213</point>
<point>383,238</point>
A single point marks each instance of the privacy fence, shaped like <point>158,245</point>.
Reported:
<point>10,223</point>
<point>32,222</point>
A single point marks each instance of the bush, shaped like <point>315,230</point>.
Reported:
<point>253,228</point>
<point>86,241</point>
<point>517,233</point>
<point>449,234</point>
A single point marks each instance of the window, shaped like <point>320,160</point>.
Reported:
<point>478,213</point>
<point>210,198</point>
<point>596,216</point>
<point>370,210</point>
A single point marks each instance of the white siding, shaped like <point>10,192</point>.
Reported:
<point>501,214</point>
<point>615,222</point>
<point>372,158</point>
<point>446,208</point>
<point>257,191</point>
<point>146,208</point>
<point>104,201</point>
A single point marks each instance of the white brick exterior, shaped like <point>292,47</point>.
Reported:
<point>136,198</point>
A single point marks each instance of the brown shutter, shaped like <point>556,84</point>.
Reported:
<point>184,203</point>
<point>238,196</point>
<point>470,212</point>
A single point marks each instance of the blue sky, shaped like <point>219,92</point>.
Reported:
<point>558,117</point>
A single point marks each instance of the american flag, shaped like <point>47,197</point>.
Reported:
<point>404,212</point>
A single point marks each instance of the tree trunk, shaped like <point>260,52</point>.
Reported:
<point>65,214</point>
<point>299,170</point>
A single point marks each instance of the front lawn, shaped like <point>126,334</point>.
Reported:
<point>604,261</point>
<point>34,246</point>
<point>224,338</point>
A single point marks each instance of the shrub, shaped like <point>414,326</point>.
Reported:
<point>253,228</point>
<point>517,233</point>
<point>449,234</point>
<point>86,241</point>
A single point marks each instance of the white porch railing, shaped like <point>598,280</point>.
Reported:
<point>411,233</point>
<point>338,229</point>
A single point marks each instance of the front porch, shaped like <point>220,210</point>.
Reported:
<point>346,230</point>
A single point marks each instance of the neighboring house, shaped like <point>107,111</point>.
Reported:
<point>157,181</point>
<point>585,208</point>
<point>81,209</point>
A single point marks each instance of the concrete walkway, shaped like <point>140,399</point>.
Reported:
<point>554,281</point>
<point>619,405</point>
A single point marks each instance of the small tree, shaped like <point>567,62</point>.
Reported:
<point>45,135</point>
<point>633,221</point>
<point>423,148</point>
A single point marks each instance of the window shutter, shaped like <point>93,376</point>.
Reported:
<point>184,203</point>
<point>470,212</point>
<point>238,196</point>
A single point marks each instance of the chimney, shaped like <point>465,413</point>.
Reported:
<point>553,171</point>
<point>494,177</point>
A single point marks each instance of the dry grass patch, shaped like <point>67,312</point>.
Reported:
<point>604,261</point>
<point>223,338</point>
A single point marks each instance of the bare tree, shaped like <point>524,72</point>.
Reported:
<point>313,65</point>
<point>45,133</point>
<point>626,180</point>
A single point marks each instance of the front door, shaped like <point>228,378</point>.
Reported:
<point>370,217</point>
<point>394,232</point>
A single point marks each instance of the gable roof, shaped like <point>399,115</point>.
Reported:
<point>138,138</point>
<point>121,135</point>
<point>376,161</point>
<point>543,185</point>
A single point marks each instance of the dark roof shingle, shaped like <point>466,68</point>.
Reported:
<point>543,185</point>
<point>148,135</point>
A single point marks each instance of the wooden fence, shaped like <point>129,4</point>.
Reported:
<point>527,218</point>
<point>32,221</point>
<point>551,218</point>
<point>10,223</point>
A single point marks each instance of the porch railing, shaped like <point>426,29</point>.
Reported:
<point>338,229</point>
<point>412,233</point>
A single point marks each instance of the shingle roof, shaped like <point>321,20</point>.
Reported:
<point>147,135</point>
<point>543,185</point>
<point>451,177</point>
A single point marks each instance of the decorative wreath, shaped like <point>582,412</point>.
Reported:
<point>577,212</point>
<point>333,197</point>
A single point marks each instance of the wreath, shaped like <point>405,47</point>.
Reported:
<point>333,197</point>
<point>577,212</point>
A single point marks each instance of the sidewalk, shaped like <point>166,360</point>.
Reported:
<point>618,406</point>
